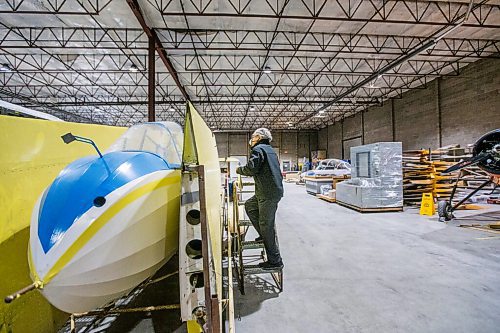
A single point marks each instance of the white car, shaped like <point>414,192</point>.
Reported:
<point>329,167</point>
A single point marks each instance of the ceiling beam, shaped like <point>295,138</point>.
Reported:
<point>136,9</point>
<point>229,101</point>
<point>430,13</point>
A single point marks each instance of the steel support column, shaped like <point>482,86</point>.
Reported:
<point>136,9</point>
<point>438,109</point>
<point>151,79</point>
<point>393,119</point>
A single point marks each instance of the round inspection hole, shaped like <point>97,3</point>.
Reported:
<point>196,280</point>
<point>99,201</point>
<point>199,312</point>
<point>193,216</point>
<point>193,249</point>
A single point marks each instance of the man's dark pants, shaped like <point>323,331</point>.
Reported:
<point>262,215</point>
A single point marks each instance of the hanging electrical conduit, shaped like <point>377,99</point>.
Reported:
<point>428,43</point>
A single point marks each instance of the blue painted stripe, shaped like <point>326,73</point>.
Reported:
<point>73,192</point>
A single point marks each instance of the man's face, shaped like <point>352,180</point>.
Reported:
<point>253,141</point>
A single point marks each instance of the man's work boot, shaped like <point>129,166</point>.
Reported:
<point>258,239</point>
<point>269,266</point>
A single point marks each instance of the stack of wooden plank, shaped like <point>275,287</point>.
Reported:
<point>443,183</point>
<point>442,159</point>
<point>418,176</point>
<point>452,153</point>
<point>422,174</point>
<point>472,177</point>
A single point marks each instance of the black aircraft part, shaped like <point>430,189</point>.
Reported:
<point>486,154</point>
<point>490,142</point>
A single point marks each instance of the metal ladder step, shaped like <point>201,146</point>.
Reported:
<point>248,184</point>
<point>256,269</point>
<point>245,223</point>
<point>248,245</point>
<point>241,203</point>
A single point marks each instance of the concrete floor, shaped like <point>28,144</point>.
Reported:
<point>385,272</point>
<point>351,272</point>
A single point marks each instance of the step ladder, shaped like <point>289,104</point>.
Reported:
<point>244,262</point>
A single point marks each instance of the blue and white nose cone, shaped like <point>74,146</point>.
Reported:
<point>103,226</point>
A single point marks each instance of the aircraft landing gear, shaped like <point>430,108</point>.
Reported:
<point>445,211</point>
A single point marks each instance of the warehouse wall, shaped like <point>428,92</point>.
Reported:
<point>323,139</point>
<point>335,137</point>
<point>416,118</point>
<point>290,145</point>
<point>473,100</point>
<point>379,123</point>
<point>450,110</point>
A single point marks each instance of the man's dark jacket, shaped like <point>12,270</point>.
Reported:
<point>264,167</point>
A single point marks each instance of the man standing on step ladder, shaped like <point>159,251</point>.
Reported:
<point>264,167</point>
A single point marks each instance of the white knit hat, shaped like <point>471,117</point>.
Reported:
<point>264,133</point>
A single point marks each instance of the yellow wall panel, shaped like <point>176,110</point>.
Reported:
<point>203,142</point>
<point>32,154</point>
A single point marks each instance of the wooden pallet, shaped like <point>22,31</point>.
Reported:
<point>471,207</point>
<point>326,198</point>
<point>320,177</point>
<point>317,177</point>
<point>480,228</point>
<point>422,174</point>
<point>371,210</point>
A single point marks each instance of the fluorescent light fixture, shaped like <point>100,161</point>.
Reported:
<point>321,111</point>
<point>372,86</point>
<point>171,109</point>
<point>290,124</point>
<point>133,68</point>
<point>5,68</point>
<point>267,70</point>
<point>251,108</point>
<point>319,115</point>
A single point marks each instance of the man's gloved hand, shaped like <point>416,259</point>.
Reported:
<point>238,170</point>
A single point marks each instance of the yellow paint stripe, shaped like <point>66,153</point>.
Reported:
<point>485,238</point>
<point>193,327</point>
<point>32,265</point>
<point>102,220</point>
